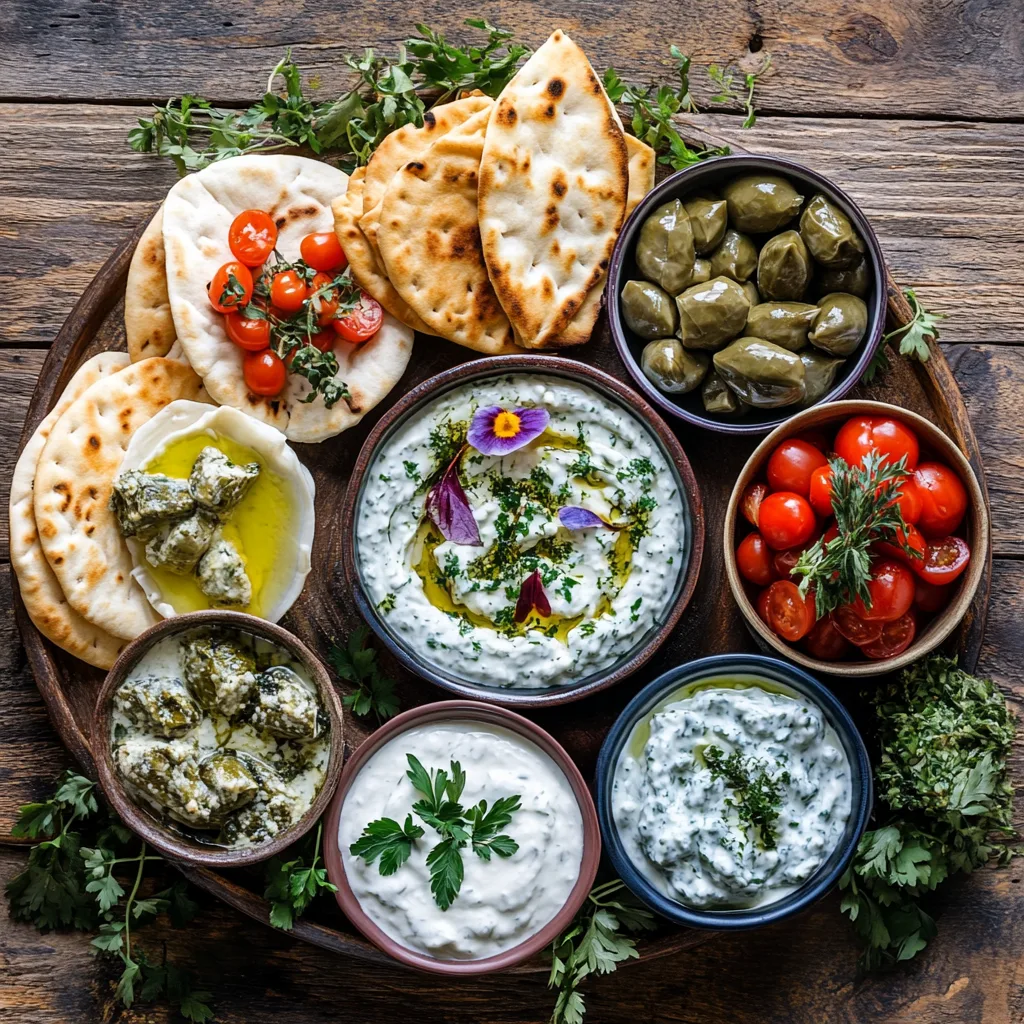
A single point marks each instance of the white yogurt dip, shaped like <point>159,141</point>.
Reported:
<point>503,901</point>
<point>681,815</point>
<point>454,604</point>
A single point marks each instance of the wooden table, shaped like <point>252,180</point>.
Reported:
<point>914,107</point>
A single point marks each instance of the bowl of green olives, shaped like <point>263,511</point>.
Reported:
<point>744,290</point>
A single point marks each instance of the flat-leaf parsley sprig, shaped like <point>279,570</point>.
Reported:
<point>479,826</point>
<point>913,338</point>
<point>357,664</point>
<point>293,884</point>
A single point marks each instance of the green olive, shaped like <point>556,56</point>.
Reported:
<point>673,368</point>
<point>829,235</point>
<point>711,313</point>
<point>717,395</point>
<point>664,250</point>
<point>761,202</point>
<point>855,280</point>
<point>763,375</point>
<point>648,311</point>
<point>840,324</point>
<point>708,221</point>
<point>784,323</point>
<point>784,267</point>
<point>735,257</point>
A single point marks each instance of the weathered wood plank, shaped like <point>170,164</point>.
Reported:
<point>947,201</point>
<point>928,57</point>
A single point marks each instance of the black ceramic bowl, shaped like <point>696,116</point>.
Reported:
<point>787,678</point>
<point>713,174</point>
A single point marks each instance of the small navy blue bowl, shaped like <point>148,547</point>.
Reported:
<point>788,677</point>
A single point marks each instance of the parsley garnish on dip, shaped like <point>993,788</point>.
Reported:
<point>437,870</point>
<point>524,530</point>
<point>730,794</point>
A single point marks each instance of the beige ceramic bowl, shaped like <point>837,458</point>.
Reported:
<point>976,525</point>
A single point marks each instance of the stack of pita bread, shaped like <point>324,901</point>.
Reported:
<point>492,225</point>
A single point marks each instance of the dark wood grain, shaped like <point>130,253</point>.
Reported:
<point>928,57</point>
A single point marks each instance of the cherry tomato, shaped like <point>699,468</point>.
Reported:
<point>751,502</point>
<point>762,604</point>
<point>909,500</point>
<point>322,251</point>
<point>362,322</point>
<point>252,237</point>
<point>817,438</point>
<point>252,335</point>
<point>929,598</point>
<point>288,291</point>
<point>791,465</point>
<point>854,628</point>
<point>264,372</point>
<point>895,638</point>
<point>328,302</point>
<point>943,499</point>
<point>754,560</point>
<point>944,560</point>
<point>230,288</point>
<point>790,614</point>
<point>913,538</point>
<point>890,437</point>
<point>784,561</point>
<point>820,492</point>
<point>786,520</point>
<point>892,593</point>
<point>825,642</point>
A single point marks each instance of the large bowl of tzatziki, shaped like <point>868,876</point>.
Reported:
<point>462,839</point>
<point>533,575</point>
<point>732,792</point>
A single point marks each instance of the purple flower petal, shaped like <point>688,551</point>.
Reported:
<point>531,596</point>
<point>497,431</point>
<point>575,517</point>
<point>448,508</point>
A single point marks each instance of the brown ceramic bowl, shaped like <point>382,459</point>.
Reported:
<point>614,391</point>
<point>489,714</point>
<point>976,526</point>
<point>143,820</point>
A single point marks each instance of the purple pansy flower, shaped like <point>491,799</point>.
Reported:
<point>497,431</point>
<point>575,517</point>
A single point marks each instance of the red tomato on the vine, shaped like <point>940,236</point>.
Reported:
<point>250,334</point>
<point>264,373</point>
<point>252,237</point>
<point>363,322</point>
<point>288,291</point>
<point>322,251</point>
<point>231,287</point>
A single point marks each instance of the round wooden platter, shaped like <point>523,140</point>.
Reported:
<point>324,612</point>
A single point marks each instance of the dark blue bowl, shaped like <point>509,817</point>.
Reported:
<point>788,676</point>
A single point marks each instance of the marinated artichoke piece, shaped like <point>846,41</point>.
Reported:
<point>701,271</point>
<point>274,809</point>
<point>219,672</point>
<point>664,250</point>
<point>217,483</point>
<point>648,311</point>
<point>855,280</point>
<point>159,704</point>
<point>784,323</point>
<point>283,705</point>
<point>230,783</point>
<point>840,324</point>
<point>819,374</point>
<point>711,313</point>
<point>166,773</point>
<point>221,574</point>
<point>673,368</point>
<point>717,395</point>
<point>142,501</point>
<point>177,547</point>
<point>761,202</point>
<point>784,267</point>
<point>708,220</point>
<point>751,292</point>
<point>829,235</point>
<point>735,257</point>
<point>763,375</point>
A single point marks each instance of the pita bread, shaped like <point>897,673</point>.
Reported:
<point>410,143</point>
<point>148,324</point>
<point>362,260</point>
<point>430,242</point>
<point>297,193</point>
<point>641,171</point>
<point>40,590</point>
<point>77,466</point>
<point>553,187</point>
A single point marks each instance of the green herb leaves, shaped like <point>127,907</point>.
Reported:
<point>945,737</point>
<point>913,338</point>
<point>757,795</point>
<point>293,884</point>
<point>356,663</point>
<point>439,808</point>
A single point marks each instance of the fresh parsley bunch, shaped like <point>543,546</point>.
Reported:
<point>945,739</point>
<point>357,664</point>
<point>293,884</point>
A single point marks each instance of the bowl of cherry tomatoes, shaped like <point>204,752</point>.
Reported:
<point>855,538</point>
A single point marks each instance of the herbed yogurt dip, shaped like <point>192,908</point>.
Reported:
<point>730,795</point>
<point>458,604</point>
<point>502,901</point>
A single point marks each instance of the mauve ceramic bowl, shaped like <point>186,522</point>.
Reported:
<point>975,528</point>
<point>713,174</point>
<point>614,391</point>
<point>139,816</point>
<point>487,714</point>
